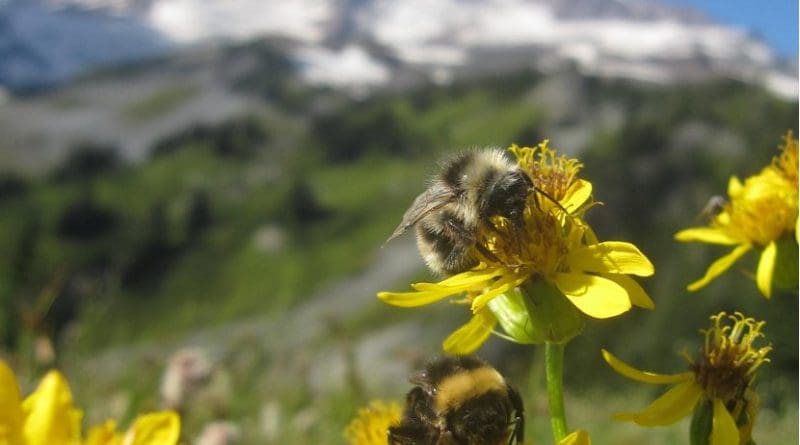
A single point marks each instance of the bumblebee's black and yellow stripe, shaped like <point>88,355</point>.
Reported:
<point>460,401</point>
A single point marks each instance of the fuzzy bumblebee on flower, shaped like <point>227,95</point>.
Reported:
<point>759,214</point>
<point>510,237</point>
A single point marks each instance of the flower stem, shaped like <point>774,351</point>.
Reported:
<point>554,371</point>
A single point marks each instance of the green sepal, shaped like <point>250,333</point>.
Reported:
<point>702,422</point>
<point>785,274</point>
<point>512,315</point>
<point>553,318</point>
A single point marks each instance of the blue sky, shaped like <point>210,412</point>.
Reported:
<point>774,20</point>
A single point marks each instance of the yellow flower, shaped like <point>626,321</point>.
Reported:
<point>148,429</point>
<point>371,426</point>
<point>758,214</point>
<point>48,417</point>
<point>554,246</point>
<point>719,383</point>
<point>578,437</point>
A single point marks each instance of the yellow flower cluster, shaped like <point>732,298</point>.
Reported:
<point>555,246</point>
<point>759,213</point>
<point>48,417</point>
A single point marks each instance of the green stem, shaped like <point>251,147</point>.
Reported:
<point>554,370</point>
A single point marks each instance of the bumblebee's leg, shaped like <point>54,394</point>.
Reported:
<point>518,435</point>
<point>418,407</point>
<point>459,257</point>
<point>411,435</point>
<point>486,253</point>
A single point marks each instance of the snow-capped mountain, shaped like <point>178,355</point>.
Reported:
<point>358,43</point>
<point>42,46</point>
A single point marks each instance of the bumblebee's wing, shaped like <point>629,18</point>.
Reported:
<point>437,195</point>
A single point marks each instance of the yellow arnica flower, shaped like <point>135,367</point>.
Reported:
<point>579,437</point>
<point>759,213</point>
<point>371,425</point>
<point>48,417</point>
<point>720,382</point>
<point>554,246</point>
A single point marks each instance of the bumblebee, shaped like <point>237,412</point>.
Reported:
<point>460,401</point>
<point>470,189</point>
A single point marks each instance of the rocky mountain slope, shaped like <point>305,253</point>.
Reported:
<point>362,43</point>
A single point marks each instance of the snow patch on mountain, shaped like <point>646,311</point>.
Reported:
<point>639,39</point>
<point>350,67</point>
<point>189,21</point>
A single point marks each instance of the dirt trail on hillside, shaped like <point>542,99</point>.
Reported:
<point>305,324</point>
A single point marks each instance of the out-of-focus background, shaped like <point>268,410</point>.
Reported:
<point>194,193</point>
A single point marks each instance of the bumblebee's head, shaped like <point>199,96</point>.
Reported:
<point>506,195</point>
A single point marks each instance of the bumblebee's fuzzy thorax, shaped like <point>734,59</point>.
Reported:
<point>455,389</point>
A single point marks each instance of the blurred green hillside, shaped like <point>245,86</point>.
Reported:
<point>262,212</point>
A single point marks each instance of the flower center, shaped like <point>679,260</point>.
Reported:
<point>534,245</point>
<point>765,208</point>
<point>729,358</point>
<point>537,242</point>
<point>787,162</point>
<point>551,174</point>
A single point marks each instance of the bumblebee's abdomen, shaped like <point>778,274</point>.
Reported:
<point>482,420</point>
<point>445,242</point>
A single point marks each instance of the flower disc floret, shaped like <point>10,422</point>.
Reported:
<point>730,359</point>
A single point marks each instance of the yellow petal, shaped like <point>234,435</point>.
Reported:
<point>578,193</point>
<point>644,376</point>
<point>427,293</point>
<point>464,279</point>
<point>719,266</point>
<point>672,406</point>
<point>637,295</point>
<point>723,427</point>
<point>10,410</point>
<point>766,267</point>
<point>501,286</point>
<point>610,257</point>
<point>734,186</point>
<point>710,235</point>
<point>589,235</point>
<point>161,428</point>
<point>50,417</point>
<point>105,434</point>
<point>579,437</point>
<point>595,296</point>
<point>469,337</point>
<point>414,299</point>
